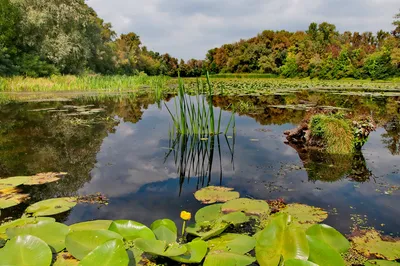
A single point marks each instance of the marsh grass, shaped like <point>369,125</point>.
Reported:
<point>197,117</point>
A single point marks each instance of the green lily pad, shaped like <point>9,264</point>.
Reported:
<point>111,253</point>
<point>234,218</point>
<point>51,206</point>
<point>44,178</point>
<point>165,230</point>
<point>381,263</point>
<point>304,215</point>
<point>11,182</point>
<point>208,213</point>
<point>370,244</point>
<point>131,230</point>
<point>294,262</point>
<point>135,256</point>
<point>50,232</point>
<point>65,259</point>
<point>227,259</point>
<point>248,206</point>
<point>159,248</point>
<point>235,243</point>
<point>25,250</point>
<point>213,194</point>
<point>330,236</point>
<point>195,252</point>
<point>22,222</point>
<point>81,243</point>
<point>207,230</point>
<point>91,225</point>
<point>11,197</point>
<point>323,254</point>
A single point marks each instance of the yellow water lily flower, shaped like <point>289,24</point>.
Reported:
<point>186,215</point>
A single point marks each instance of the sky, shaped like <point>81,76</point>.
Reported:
<point>189,28</point>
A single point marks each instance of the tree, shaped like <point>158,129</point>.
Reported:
<point>396,23</point>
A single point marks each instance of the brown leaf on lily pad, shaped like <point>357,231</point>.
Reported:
<point>372,244</point>
<point>65,259</point>
<point>10,197</point>
<point>44,178</point>
<point>214,194</point>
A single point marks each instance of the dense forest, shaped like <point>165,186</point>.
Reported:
<point>46,37</point>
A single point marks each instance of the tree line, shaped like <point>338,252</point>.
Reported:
<point>46,37</point>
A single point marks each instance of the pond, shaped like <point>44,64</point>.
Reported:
<point>120,146</point>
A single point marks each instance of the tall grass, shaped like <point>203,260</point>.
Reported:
<point>197,118</point>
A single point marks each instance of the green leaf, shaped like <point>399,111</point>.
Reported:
<point>330,236</point>
<point>235,243</point>
<point>81,243</point>
<point>131,230</point>
<point>381,263</point>
<point>235,218</point>
<point>25,250</point>
<point>294,262</point>
<point>211,194</point>
<point>160,248</point>
<point>91,225</point>
<point>207,230</point>
<point>165,230</point>
<point>50,232</point>
<point>11,182</point>
<point>227,259</point>
<point>278,239</point>
<point>195,252</point>
<point>51,206</point>
<point>248,206</point>
<point>111,253</point>
<point>135,256</point>
<point>323,254</point>
<point>22,222</point>
<point>11,197</point>
<point>208,213</point>
<point>304,215</point>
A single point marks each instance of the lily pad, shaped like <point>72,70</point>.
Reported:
<point>294,262</point>
<point>10,197</point>
<point>208,213</point>
<point>81,243</point>
<point>370,244</point>
<point>160,248</point>
<point>50,232</point>
<point>236,243</point>
<point>131,230</point>
<point>22,222</point>
<point>44,178</point>
<point>135,256</point>
<point>207,230</point>
<point>304,215</point>
<point>165,230</point>
<point>195,252</point>
<point>91,225</point>
<point>213,194</point>
<point>248,206</point>
<point>227,259</point>
<point>51,206</point>
<point>65,259</point>
<point>323,254</point>
<point>11,182</point>
<point>111,253</point>
<point>25,250</point>
<point>381,263</point>
<point>330,236</point>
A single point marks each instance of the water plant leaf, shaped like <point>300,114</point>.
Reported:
<point>330,236</point>
<point>25,250</point>
<point>10,197</point>
<point>135,256</point>
<point>131,230</point>
<point>51,206</point>
<point>22,222</point>
<point>227,259</point>
<point>248,206</point>
<point>111,253</point>
<point>160,248</point>
<point>323,254</point>
<point>370,244</point>
<point>278,239</point>
<point>208,213</point>
<point>294,262</point>
<point>236,243</point>
<point>11,182</point>
<point>81,243</point>
<point>305,215</point>
<point>381,263</point>
<point>65,259</point>
<point>50,232</point>
<point>165,230</point>
<point>207,230</point>
<point>43,178</point>
<point>195,252</point>
<point>91,225</point>
<point>212,194</point>
<point>235,218</point>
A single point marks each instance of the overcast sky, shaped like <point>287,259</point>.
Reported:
<point>189,28</point>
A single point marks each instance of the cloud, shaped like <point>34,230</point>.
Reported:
<point>188,29</point>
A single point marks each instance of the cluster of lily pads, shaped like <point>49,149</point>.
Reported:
<point>231,231</point>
